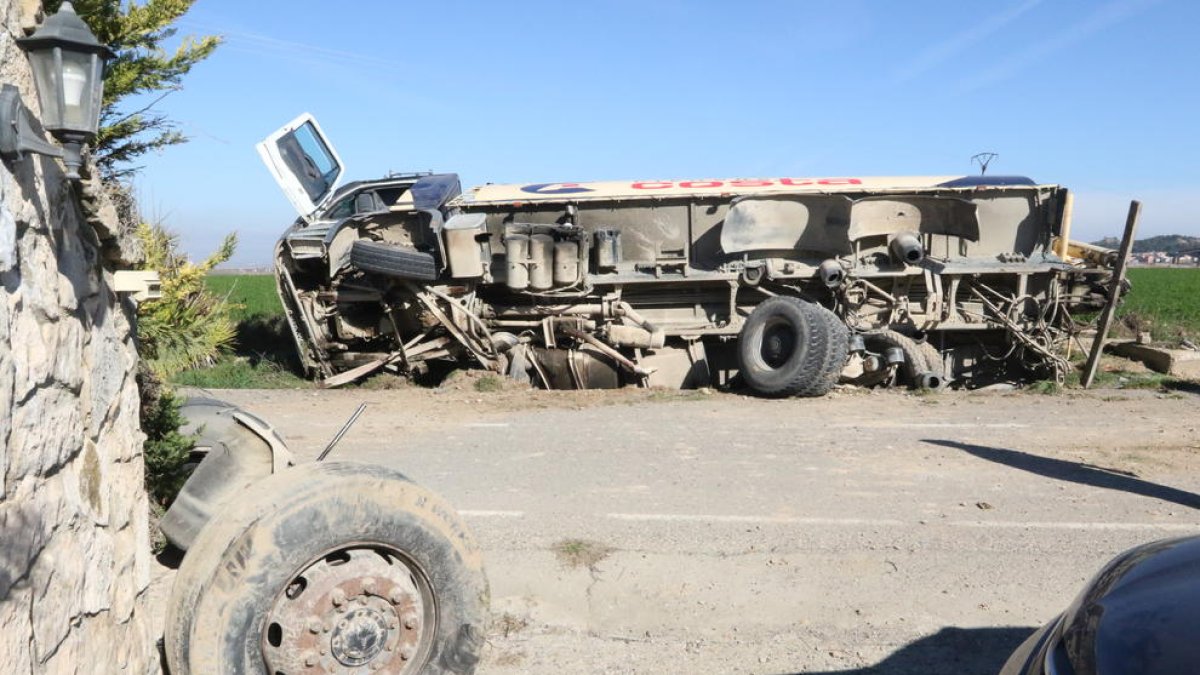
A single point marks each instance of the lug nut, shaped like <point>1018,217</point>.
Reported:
<point>314,625</point>
<point>407,653</point>
<point>311,659</point>
<point>410,621</point>
<point>338,597</point>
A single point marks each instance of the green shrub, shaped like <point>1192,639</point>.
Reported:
<point>189,325</point>
<point>166,451</point>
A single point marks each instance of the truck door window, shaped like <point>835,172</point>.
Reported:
<point>309,160</point>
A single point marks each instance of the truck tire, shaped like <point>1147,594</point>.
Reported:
<point>393,261</point>
<point>789,347</point>
<point>330,567</point>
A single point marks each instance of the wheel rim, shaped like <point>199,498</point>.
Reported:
<point>778,343</point>
<point>361,608</point>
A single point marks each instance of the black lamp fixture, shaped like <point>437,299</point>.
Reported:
<point>68,66</point>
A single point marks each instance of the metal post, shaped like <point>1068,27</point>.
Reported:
<point>345,427</point>
<point>1114,294</point>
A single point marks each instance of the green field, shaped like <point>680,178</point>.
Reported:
<point>253,293</point>
<point>264,356</point>
<point>1164,301</point>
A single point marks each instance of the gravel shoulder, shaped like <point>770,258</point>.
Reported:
<point>644,531</point>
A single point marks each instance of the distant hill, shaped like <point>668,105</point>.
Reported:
<point>1167,243</point>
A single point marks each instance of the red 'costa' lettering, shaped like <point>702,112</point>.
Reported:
<point>741,183</point>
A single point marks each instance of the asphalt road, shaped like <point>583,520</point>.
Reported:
<point>860,533</point>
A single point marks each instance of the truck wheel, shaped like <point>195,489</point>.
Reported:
<point>393,261</point>
<point>330,567</point>
<point>789,347</point>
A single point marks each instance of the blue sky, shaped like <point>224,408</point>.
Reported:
<point>1102,96</point>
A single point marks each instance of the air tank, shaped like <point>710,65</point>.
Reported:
<point>516,256</point>
<point>541,262</point>
<point>566,263</point>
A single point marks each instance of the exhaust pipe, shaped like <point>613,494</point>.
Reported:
<point>931,381</point>
<point>906,247</point>
<point>832,273</point>
<point>657,336</point>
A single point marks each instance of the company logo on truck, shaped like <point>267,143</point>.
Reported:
<point>555,188</point>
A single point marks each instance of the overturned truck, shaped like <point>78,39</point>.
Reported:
<point>784,286</point>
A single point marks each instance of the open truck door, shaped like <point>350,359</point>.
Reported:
<point>303,163</point>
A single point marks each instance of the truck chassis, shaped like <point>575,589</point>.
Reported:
<point>785,285</point>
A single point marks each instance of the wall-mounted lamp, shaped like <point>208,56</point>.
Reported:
<point>68,65</point>
<point>17,136</point>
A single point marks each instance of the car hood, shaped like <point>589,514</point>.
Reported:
<point>1141,613</point>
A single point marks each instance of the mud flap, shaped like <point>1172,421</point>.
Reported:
<point>239,449</point>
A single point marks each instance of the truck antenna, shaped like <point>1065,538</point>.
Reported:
<point>983,159</point>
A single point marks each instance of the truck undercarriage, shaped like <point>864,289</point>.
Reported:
<point>782,285</point>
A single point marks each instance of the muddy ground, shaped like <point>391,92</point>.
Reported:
<point>664,532</point>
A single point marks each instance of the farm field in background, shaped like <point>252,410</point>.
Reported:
<point>254,293</point>
<point>1165,301</point>
<point>264,356</point>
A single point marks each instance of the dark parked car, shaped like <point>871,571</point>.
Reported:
<point>1138,616</point>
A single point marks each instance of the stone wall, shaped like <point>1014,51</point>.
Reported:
<point>74,545</point>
